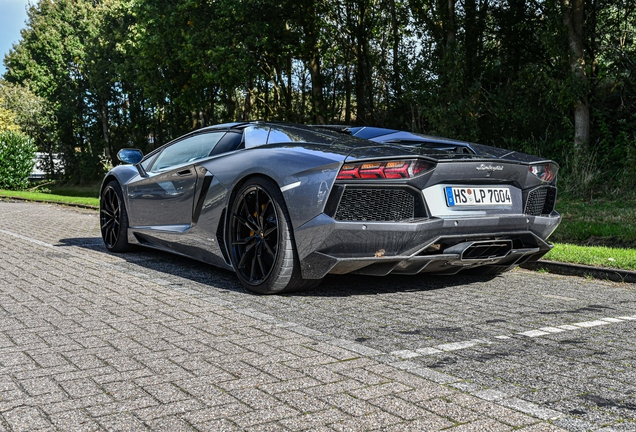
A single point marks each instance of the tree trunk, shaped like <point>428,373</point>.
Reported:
<point>288,95</point>
<point>361,65</point>
<point>470,45</point>
<point>103,115</point>
<point>266,98</point>
<point>395,30</point>
<point>449,23</point>
<point>573,19</point>
<point>311,53</point>
<point>303,98</point>
<point>248,102</point>
<point>316,88</point>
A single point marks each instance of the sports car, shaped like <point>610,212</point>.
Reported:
<point>284,205</point>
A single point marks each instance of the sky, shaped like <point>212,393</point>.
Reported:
<point>12,19</point>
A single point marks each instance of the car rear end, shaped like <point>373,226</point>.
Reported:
<point>431,207</point>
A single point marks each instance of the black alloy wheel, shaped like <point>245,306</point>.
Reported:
<point>255,234</point>
<point>113,218</point>
<point>260,239</point>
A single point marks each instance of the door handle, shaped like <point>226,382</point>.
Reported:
<point>184,173</point>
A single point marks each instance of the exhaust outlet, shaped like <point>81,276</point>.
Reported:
<point>481,250</point>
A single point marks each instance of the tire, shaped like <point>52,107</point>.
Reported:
<point>113,218</point>
<point>260,240</point>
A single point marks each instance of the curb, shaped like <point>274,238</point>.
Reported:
<point>568,269</point>
<point>83,206</point>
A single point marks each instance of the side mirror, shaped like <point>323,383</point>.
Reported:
<point>130,156</point>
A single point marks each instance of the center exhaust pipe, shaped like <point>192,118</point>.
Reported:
<point>481,250</point>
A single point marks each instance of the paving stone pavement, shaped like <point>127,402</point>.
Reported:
<point>150,341</point>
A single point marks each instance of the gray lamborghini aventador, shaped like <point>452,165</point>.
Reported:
<point>284,205</point>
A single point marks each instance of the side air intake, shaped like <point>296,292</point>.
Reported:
<point>541,201</point>
<point>220,237</point>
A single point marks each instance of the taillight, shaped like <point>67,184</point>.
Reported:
<point>400,169</point>
<point>546,172</point>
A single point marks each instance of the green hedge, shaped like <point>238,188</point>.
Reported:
<point>17,153</point>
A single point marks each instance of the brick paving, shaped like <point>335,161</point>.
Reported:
<point>148,341</point>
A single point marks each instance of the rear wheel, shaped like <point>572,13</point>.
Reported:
<point>113,218</point>
<point>261,242</point>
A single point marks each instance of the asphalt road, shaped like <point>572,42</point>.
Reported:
<point>148,340</point>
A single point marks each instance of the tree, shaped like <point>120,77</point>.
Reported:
<point>50,60</point>
<point>523,75</point>
<point>573,20</point>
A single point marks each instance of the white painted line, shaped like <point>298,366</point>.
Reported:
<point>356,347</point>
<point>531,408</point>
<point>430,374</point>
<point>533,333</point>
<point>405,354</point>
<point>305,331</point>
<point>612,320</point>
<point>459,345</point>
<point>559,297</point>
<point>586,324</point>
<point>569,327</point>
<point>551,329</point>
<point>29,239</point>
<point>428,351</point>
<point>543,331</point>
<point>490,394</point>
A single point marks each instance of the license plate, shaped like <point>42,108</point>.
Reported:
<point>477,196</point>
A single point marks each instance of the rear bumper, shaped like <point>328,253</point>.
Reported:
<point>435,245</point>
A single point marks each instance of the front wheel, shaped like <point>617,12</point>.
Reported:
<point>113,218</point>
<point>261,242</point>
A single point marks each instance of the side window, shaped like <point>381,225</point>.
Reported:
<point>187,150</point>
<point>255,135</point>
<point>148,162</point>
<point>284,135</point>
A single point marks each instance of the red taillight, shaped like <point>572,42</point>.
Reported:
<point>546,172</point>
<point>384,170</point>
<point>348,172</point>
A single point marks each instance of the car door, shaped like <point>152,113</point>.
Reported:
<point>165,198</point>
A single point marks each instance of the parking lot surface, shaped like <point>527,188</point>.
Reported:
<point>151,341</point>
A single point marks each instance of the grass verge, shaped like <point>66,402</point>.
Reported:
<point>597,256</point>
<point>600,233</point>
<point>597,223</point>
<point>88,191</point>
<point>41,196</point>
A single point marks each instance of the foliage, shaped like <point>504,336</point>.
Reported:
<point>32,115</point>
<point>17,152</point>
<point>7,118</point>
<point>30,112</point>
<point>137,73</point>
